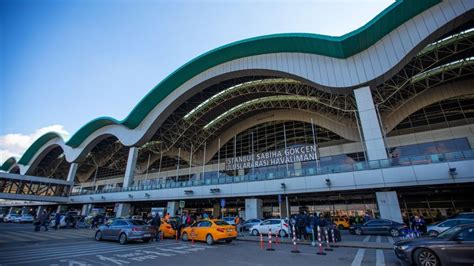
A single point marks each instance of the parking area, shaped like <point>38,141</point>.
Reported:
<point>21,246</point>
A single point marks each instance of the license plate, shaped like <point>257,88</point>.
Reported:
<point>147,235</point>
<point>229,230</point>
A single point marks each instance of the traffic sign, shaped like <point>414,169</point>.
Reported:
<point>279,199</point>
<point>181,204</point>
<point>223,203</point>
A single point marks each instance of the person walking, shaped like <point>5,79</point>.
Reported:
<point>156,223</point>
<point>43,220</point>
<point>57,220</point>
<point>300,226</point>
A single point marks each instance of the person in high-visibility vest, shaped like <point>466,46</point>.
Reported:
<point>167,216</point>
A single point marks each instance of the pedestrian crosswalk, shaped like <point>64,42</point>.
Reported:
<point>30,236</point>
<point>109,253</point>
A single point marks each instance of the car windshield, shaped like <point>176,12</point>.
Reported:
<point>137,222</point>
<point>449,233</point>
<point>220,223</point>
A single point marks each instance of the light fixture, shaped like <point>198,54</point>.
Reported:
<point>215,190</point>
<point>452,172</point>
<point>91,198</point>
<point>189,192</point>
<point>328,182</point>
<point>102,197</point>
<point>130,196</point>
<point>283,185</point>
<point>147,195</point>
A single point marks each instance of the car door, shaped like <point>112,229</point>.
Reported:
<point>459,249</point>
<point>264,226</point>
<point>115,228</point>
<point>202,230</point>
<point>384,226</point>
<point>275,225</point>
<point>370,227</point>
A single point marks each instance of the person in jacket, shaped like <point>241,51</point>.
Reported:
<point>156,223</point>
<point>300,226</point>
<point>43,218</point>
<point>57,220</point>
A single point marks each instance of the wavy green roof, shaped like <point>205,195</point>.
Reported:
<point>338,47</point>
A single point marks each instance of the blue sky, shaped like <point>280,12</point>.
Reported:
<point>66,62</point>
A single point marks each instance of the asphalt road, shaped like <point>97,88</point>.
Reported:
<point>19,245</point>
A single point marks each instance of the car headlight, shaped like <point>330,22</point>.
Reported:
<point>403,247</point>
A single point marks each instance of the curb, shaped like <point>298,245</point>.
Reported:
<point>339,244</point>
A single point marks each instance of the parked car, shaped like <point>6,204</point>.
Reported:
<point>437,228</point>
<point>229,220</point>
<point>378,226</point>
<point>125,230</point>
<point>24,218</point>
<point>464,215</point>
<point>168,229</point>
<point>250,223</point>
<point>452,247</point>
<point>9,218</point>
<point>276,225</point>
<point>209,231</point>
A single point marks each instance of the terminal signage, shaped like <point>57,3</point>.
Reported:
<point>269,158</point>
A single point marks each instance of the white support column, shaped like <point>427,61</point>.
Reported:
<point>172,207</point>
<point>389,207</point>
<point>253,209</point>
<point>86,209</point>
<point>72,172</point>
<point>370,125</point>
<point>123,210</point>
<point>131,164</point>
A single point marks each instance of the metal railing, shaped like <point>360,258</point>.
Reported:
<point>309,171</point>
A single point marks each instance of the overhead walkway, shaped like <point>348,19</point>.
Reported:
<point>33,188</point>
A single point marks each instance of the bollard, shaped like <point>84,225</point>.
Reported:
<point>333,238</point>
<point>269,248</point>
<point>328,248</point>
<point>295,247</point>
<point>320,252</point>
<point>261,241</point>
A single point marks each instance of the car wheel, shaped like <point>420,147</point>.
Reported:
<point>340,227</point>
<point>185,237</point>
<point>209,239</point>
<point>424,257</point>
<point>255,232</point>
<point>123,239</point>
<point>282,233</point>
<point>98,236</point>
<point>394,232</point>
<point>358,231</point>
<point>433,233</point>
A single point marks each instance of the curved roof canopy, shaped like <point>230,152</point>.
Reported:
<point>336,47</point>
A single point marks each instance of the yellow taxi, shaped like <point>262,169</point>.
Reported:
<point>341,223</point>
<point>210,231</point>
<point>167,228</point>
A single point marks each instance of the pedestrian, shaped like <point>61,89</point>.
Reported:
<point>167,216</point>
<point>300,226</point>
<point>57,220</point>
<point>43,220</point>
<point>156,223</point>
<point>237,224</point>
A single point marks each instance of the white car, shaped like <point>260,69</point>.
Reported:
<point>229,220</point>
<point>10,217</point>
<point>437,228</point>
<point>276,225</point>
<point>24,218</point>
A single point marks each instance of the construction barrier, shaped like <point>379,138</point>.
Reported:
<point>328,248</point>
<point>277,234</point>
<point>261,241</point>
<point>320,244</point>
<point>295,247</point>
<point>269,248</point>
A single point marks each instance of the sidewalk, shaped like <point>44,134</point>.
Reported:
<point>350,244</point>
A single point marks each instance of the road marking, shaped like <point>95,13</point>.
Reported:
<point>24,236</point>
<point>366,239</point>
<point>379,259</point>
<point>378,239</point>
<point>391,240</point>
<point>358,258</point>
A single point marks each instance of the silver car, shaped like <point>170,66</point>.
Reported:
<point>24,218</point>
<point>125,230</point>
<point>438,228</point>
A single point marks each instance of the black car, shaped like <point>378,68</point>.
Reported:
<point>454,246</point>
<point>378,226</point>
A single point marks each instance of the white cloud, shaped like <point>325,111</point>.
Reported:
<point>16,144</point>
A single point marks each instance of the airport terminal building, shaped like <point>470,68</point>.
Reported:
<point>379,120</point>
